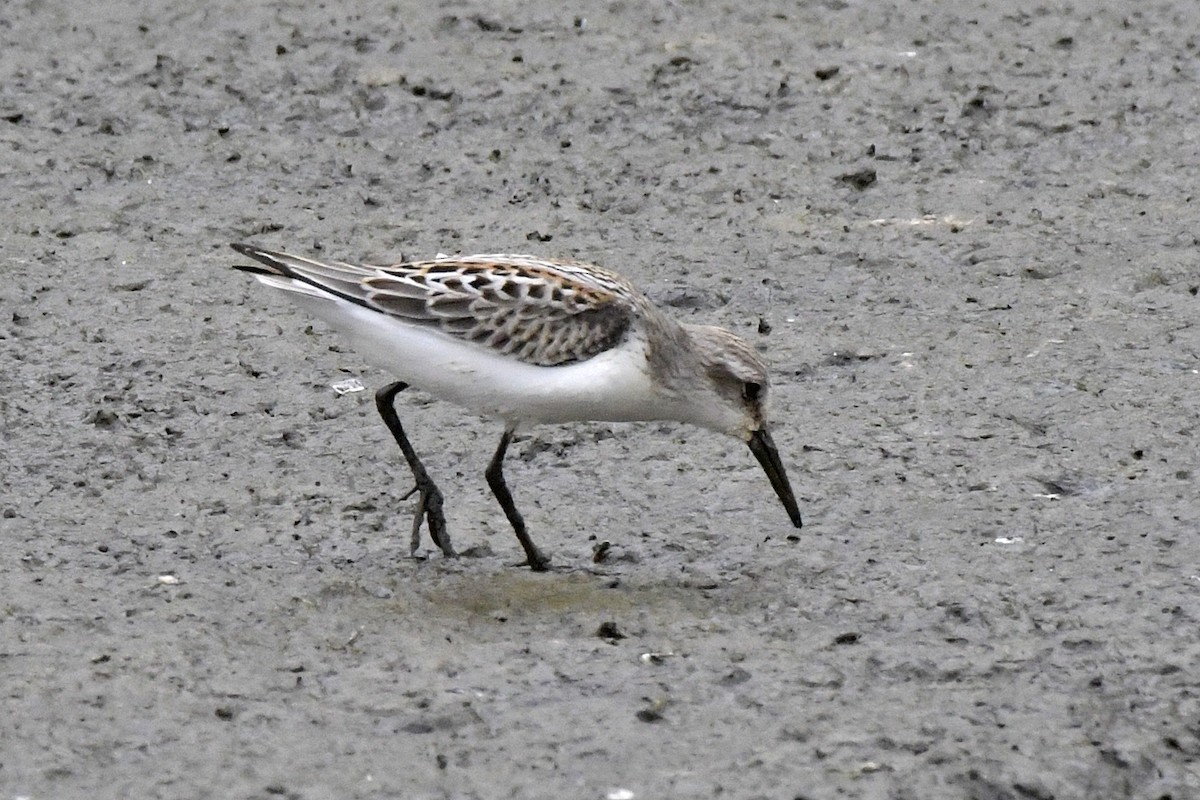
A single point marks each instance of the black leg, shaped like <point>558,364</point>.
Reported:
<point>535,559</point>
<point>429,506</point>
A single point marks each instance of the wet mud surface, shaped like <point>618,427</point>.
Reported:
<point>964,236</point>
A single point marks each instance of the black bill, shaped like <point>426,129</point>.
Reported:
<point>764,450</point>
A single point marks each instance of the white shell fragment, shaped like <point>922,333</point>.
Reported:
<point>348,386</point>
<point>655,658</point>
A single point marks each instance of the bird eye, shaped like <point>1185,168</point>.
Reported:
<point>751,390</point>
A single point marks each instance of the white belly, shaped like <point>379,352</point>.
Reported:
<point>613,386</point>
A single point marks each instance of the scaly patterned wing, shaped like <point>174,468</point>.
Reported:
<point>537,311</point>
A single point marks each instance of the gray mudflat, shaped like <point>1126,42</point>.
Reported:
<point>971,231</point>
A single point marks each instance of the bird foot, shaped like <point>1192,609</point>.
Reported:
<point>429,509</point>
<point>536,560</point>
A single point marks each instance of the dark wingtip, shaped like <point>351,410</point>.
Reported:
<point>268,263</point>
<point>247,250</point>
<point>254,269</point>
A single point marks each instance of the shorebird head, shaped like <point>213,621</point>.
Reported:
<point>734,401</point>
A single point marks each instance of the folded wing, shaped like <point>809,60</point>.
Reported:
<point>539,311</point>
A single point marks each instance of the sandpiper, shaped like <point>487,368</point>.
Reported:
<point>530,340</point>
